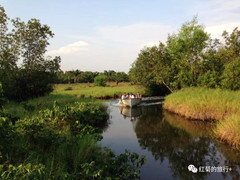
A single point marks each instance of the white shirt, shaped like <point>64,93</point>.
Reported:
<point>124,97</point>
<point>131,96</point>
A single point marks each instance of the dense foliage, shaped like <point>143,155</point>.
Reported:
<point>26,43</point>
<point>190,58</point>
<point>1,96</point>
<point>77,76</point>
<point>60,142</point>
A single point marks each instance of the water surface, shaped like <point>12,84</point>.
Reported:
<point>169,142</point>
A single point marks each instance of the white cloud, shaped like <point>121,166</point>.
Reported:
<point>217,30</point>
<point>135,33</point>
<point>70,48</point>
<point>218,15</point>
<point>116,47</point>
<point>216,12</point>
<point>112,47</point>
<point>223,5</point>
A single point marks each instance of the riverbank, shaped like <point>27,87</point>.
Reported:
<point>89,90</point>
<point>56,137</point>
<point>221,106</point>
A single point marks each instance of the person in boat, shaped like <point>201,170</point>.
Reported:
<point>138,96</point>
<point>124,96</point>
<point>128,96</point>
<point>131,96</point>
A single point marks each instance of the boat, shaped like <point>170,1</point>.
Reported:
<point>131,102</point>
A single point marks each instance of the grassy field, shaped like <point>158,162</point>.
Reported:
<point>205,104</point>
<point>65,94</point>
<point>89,90</point>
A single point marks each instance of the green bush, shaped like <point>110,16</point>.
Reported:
<point>100,80</point>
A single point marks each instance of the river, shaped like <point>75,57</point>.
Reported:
<point>170,143</point>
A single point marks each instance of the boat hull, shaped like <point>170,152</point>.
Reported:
<point>131,102</point>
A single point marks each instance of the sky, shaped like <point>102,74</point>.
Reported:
<point>98,35</point>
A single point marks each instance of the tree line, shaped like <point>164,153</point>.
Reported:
<point>190,58</point>
<point>77,76</point>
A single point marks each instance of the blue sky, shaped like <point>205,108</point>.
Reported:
<point>101,35</point>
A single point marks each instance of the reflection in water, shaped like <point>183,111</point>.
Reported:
<point>133,113</point>
<point>173,142</point>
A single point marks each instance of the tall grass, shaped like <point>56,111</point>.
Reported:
<point>228,130</point>
<point>221,106</point>
<point>203,103</point>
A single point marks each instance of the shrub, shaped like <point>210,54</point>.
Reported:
<point>28,84</point>
<point>86,113</point>
<point>100,80</point>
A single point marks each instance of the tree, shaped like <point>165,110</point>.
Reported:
<point>9,52</point>
<point>109,74</point>
<point>27,41</point>
<point>100,80</point>
<point>231,75</point>
<point>120,77</point>
<point>142,69</point>
<point>232,44</point>
<point>231,56</point>
<point>186,48</point>
<point>33,39</point>
<point>176,64</point>
<point>151,69</point>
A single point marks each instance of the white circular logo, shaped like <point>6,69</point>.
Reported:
<point>192,168</point>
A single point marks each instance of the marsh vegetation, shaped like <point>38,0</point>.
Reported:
<point>220,106</point>
<point>55,137</point>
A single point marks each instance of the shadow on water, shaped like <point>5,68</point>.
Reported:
<point>169,142</point>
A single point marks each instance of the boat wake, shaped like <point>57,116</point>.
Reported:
<point>150,104</point>
<point>146,101</point>
<point>116,103</point>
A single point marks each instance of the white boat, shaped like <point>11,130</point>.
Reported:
<point>131,102</point>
